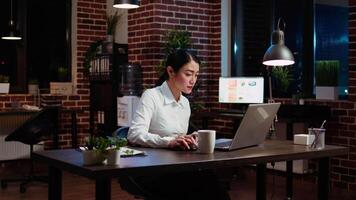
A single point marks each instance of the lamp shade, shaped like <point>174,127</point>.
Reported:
<point>12,34</point>
<point>126,4</point>
<point>278,54</point>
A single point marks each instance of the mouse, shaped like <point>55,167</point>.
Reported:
<point>192,147</point>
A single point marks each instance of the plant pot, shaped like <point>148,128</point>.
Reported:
<point>33,89</point>
<point>301,101</point>
<point>327,92</point>
<point>4,88</point>
<point>93,157</point>
<point>113,157</point>
<point>108,44</point>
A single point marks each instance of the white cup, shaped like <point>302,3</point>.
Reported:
<point>113,157</point>
<point>319,141</point>
<point>206,141</point>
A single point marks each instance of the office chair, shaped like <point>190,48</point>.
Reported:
<point>126,182</point>
<point>39,128</point>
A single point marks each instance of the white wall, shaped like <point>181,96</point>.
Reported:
<point>225,37</point>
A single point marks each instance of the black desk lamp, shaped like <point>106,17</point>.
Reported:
<point>276,55</point>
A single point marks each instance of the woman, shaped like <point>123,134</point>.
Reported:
<point>162,117</point>
<point>161,121</point>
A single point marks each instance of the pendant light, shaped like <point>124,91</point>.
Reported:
<point>12,34</point>
<point>278,54</point>
<point>126,4</point>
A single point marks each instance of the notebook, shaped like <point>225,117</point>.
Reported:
<point>253,128</point>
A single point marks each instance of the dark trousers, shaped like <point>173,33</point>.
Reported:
<point>177,186</point>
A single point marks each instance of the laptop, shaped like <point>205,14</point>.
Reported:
<point>253,128</point>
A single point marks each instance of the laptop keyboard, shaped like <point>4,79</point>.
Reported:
<point>223,144</point>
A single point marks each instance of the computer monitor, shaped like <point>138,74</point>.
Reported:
<point>241,90</point>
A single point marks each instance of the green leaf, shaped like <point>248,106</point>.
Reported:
<point>327,72</point>
<point>281,73</point>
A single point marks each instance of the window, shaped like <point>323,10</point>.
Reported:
<point>45,46</point>
<point>332,37</point>
<point>315,30</point>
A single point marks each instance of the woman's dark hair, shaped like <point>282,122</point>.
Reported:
<point>177,60</point>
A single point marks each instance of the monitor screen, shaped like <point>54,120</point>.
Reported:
<point>241,89</point>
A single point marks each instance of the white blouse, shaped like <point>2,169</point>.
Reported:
<point>159,118</point>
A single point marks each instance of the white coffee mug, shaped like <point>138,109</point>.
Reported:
<point>206,141</point>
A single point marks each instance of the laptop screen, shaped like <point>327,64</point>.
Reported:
<point>241,89</point>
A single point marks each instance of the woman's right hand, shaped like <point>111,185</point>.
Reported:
<point>182,142</point>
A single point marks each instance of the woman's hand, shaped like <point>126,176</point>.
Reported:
<point>195,136</point>
<point>185,142</point>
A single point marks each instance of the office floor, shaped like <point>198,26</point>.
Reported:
<point>242,187</point>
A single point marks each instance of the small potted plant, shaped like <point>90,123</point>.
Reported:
<point>283,79</point>
<point>33,86</point>
<point>111,23</point>
<point>98,149</point>
<point>113,153</point>
<point>63,86</point>
<point>4,84</point>
<point>327,79</point>
<point>63,73</point>
<point>94,150</point>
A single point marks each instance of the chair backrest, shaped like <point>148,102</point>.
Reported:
<point>122,132</point>
<point>40,127</point>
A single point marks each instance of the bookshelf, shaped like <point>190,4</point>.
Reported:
<point>104,89</point>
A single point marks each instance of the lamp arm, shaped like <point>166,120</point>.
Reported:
<point>269,71</point>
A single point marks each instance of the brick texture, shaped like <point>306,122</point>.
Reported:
<point>148,24</point>
<point>146,27</point>
<point>91,26</point>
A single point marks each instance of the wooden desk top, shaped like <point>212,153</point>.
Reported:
<point>161,160</point>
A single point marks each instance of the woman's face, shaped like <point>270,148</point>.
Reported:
<point>186,77</point>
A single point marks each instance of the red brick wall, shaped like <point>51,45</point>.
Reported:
<point>148,24</point>
<point>91,26</point>
<point>202,18</point>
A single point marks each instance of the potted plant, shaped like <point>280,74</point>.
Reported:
<point>33,86</point>
<point>113,153</point>
<point>327,79</point>
<point>63,73</point>
<point>298,98</point>
<point>111,22</point>
<point>99,149</point>
<point>4,84</point>
<point>93,152</point>
<point>63,86</point>
<point>283,79</point>
<point>176,39</point>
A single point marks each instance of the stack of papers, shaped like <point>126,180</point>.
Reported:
<point>127,152</point>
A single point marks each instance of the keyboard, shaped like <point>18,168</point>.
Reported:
<point>224,144</point>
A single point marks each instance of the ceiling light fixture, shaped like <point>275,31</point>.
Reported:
<point>126,4</point>
<point>12,34</point>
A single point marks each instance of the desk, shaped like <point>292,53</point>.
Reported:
<point>290,114</point>
<point>163,160</point>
